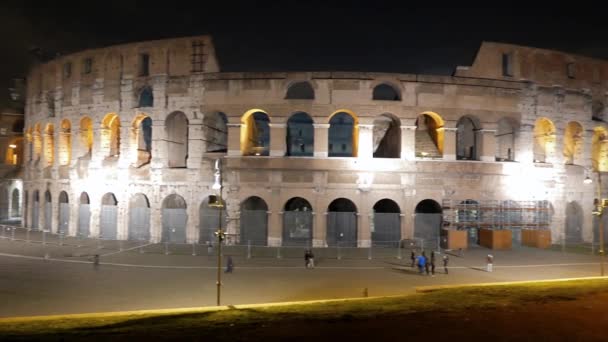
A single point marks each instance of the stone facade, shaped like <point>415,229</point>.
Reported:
<point>152,117</point>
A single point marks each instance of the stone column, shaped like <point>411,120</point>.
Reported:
<point>488,145</point>
<point>155,223</point>
<point>365,142</point>
<point>556,156</point>
<point>278,133</point>
<point>124,146</point>
<point>234,139</point>
<point>524,144</point>
<point>54,213</point>
<point>122,219</point>
<point>192,223</point>
<point>95,216</point>
<point>449,143</point>
<point>321,140</point>
<point>74,206</point>
<point>195,143</point>
<point>408,142</point>
<point>363,231</point>
<point>587,149</point>
<point>275,228</point>
<point>159,147</point>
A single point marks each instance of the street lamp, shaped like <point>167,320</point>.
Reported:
<point>217,202</point>
<point>599,204</point>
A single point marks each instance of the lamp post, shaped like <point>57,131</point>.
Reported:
<point>218,203</point>
<point>599,212</point>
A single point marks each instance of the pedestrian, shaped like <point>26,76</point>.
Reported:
<point>433,263</point>
<point>96,261</point>
<point>413,258</point>
<point>306,258</point>
<point>209,248</point>
<point>425,265</point>
<point>445,263</point>
<point>490,261</point>
<point>421,263</point>
<point>311,260</point>
<point>229,265</point>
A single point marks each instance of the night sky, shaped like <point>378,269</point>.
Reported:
<point>307,35</point>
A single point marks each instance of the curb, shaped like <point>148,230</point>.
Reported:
<point>433,288</point>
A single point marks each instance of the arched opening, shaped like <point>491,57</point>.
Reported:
<point>108,228</point>
<point>386,228</point>
<point>255,133</point>
<point>84,215</point>
<point>468,139</point>
<point>4,204</point>
<point>300,91</point>
<point>48,212</point>
<point>342,223</point>
<point>86,136</point>
<point>300,135</point>
<point>574,223</point>
<point>216,132</point>
<point>36,210</point>
<point>429,135</point>
<point>65,143</point>
<point>573,143</point>
<point>176,128</point>
<point>26,209</point>
<point>386,92</point>
<point>49,144</point>
<point>599,149</point>
<point>387,137</point>
<point>110,134</point>
<point>505,140</point>
<point>14,152</point>
<point>146,97</point>
<point>139,218</point>
<point>175,219</point>
<point>209,221</point>
<point>297,222</point>
<point>342,135</point>
<point>141,140</point>
<point>64,214</point>
<point>37,138</point>
<point>427,222</point>
<point>254,222</point>
<point>544,140</point>
<point>15,204</point>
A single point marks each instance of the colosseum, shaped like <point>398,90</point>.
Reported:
<point>121,143</point>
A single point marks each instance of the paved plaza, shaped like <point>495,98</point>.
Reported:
<point>60,277</point>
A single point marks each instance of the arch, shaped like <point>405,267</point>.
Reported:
<point>427,222</point>
<point>599,149</point>
<point>15,203</point>
<point>176,129</point>
<point>387,136</point>
<point>84,215</point>
<point>49,144</point>
<point>48,211</point>
<point>386,92</point>
<point>36,210</point>
<point>216,132</point>
<point>386,223</point>
<point>86,135</point>
<point>342,223</point>
<point>505,140</point>
<point>64,213</point>
<point>255,133</point>
<point>573,143</point>
<point>300,135</point>
<point>65,142</point>
<point>141,140</point>
<point>297,222</point>
<point>14,152</point>
<point>37,143</point>
<point>301,90</point>
<point>108,228</point>
<point>574,223</point>
<point>429,135</point>
<point>110,134</point>
<point>254,221</point>
<point>209,221</point>
<point>343,134</point>
<point>146,97</point>
<point>139,217</point>
<point>544,140</point>
<point>468,138</point>
<point>174,219</point>
<point>4,204</point>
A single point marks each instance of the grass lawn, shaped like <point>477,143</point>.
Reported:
<point>566,310</point>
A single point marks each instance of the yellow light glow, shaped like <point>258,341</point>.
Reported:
<point>12,146</point>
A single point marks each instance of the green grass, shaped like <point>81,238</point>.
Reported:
<point>226,324</point>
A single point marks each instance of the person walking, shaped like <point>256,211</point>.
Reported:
<point>432,263</point>
<point>421,263</point>
<point>446,260</point>
<point>229,264</point>
<point>306,258</point>
<point>426,264</point>
<point>490,262</point>
<point>311,260</point>
<point>413,258</point>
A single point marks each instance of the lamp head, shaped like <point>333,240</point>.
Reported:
<point>588,180</point>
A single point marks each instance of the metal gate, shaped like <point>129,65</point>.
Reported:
<point>48,216</point>
<point>139,224</point>
<point>84,219</point>
<point>64,218</point>
<point>174,225</point>
<point>342,229</point>
<point>297,228</point>
<point>254,227</point>
<point>108,221</point>
<point>428,228</point>
<point>386,229</point>
<point>516,237</point>
<point>209,223</point>
<point>35,216</point>
<point>574,223</point>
